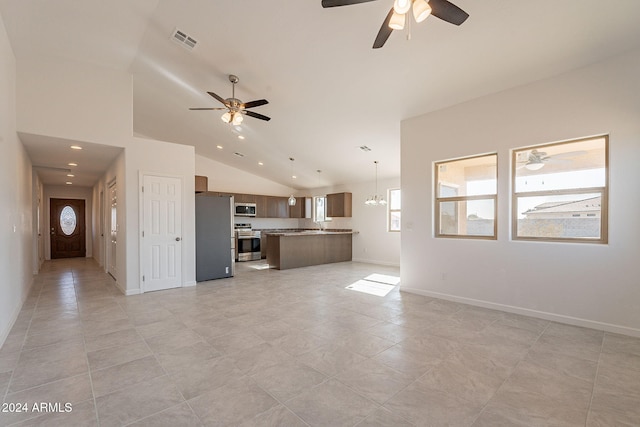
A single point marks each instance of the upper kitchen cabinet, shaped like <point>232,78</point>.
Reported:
<point>261,206</point>
<point>245,198</point>
<point>277,207</point>
<point>299,209</point>
<point>202,184</point>
<point>339,205</point>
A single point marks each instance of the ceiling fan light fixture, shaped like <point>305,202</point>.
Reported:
<point>401,6</point>
<point>397,21</point>
<point>534,166</point>
<point>237,119</point>
<point>226,117</point>
<point>421,10</point>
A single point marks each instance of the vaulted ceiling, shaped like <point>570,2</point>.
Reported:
<point>329,93</point>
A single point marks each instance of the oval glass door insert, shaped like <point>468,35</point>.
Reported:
<point>68,220</point>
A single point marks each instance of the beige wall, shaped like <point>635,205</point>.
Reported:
<point>586,284</point>
<point>16,210</point>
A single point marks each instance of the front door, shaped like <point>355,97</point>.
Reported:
<point>67,228</point>
<point>161,241</point>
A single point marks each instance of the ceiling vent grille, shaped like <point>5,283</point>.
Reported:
<point>365,148</point>
<point>183,39</point>
<point>239,154</point>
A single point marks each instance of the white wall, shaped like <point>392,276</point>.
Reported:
<point>226,178</point>
<point>78,101</point>
<point>586,284</point>
<point>68,192</point>
<point>16,237</point>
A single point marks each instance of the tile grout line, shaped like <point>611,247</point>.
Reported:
<point>511,373</point>
<point>595,379</point>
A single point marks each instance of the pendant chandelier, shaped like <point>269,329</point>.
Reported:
<point>376,199</point>
<point>292,199</point>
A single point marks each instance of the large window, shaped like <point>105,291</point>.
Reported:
<point>320,209</point>
<point>466,202</point>
<point>560,191</point>
<point>393,213</point>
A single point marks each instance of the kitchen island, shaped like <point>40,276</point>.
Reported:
<point>303,248</point>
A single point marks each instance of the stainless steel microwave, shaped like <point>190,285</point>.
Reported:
<point>245,209</point>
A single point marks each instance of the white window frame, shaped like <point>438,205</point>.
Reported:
<point>390,210</point>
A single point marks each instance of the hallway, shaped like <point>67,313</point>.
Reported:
<point>295,348</point>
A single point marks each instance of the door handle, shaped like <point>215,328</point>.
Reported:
<point>177,239</point>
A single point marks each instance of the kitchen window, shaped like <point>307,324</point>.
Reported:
<point>465,197</point>
<point>560,191</point>
<point>393,210</point>
<point>320,209</point>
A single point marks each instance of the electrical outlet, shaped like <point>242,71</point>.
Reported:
<point>226,270</point>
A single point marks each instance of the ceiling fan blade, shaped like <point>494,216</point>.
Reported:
<point>448,11</point>
<point>384,33</point>
<point>207,108</point>
<point>219,98</point>
<point>568,155</point>
<point>334,3</point>
<point>256,103</point>
<point>256,115</point>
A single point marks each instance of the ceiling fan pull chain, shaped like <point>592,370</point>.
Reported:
<point>408,27</point>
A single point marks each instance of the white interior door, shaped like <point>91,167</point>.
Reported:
<point>161,242</point>
<point>113,231</point>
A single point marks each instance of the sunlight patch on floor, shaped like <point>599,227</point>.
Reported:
<point>372,288</point>
<point>383,278</point>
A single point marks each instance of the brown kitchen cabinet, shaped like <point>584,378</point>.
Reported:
<point>277,207</point>
<point>245,198</point>
<point>202,184</point>
<point>339,205</point>
<point>298,210</point>
<point>261,206</point>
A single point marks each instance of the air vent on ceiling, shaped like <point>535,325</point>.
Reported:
<point>365,148</point>
<point>239,154</point>
<point>183,39</point>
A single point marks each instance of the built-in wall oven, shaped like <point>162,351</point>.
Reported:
<point>247,243</point>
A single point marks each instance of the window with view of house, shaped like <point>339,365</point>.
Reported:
<point>393,212</point>
<point>465,197</point>
<point>560,191</point>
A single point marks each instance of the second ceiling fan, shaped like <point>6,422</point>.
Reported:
<point>236,108</point>
<point>397,16</point>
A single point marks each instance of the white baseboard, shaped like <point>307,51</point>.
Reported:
<point>189,284</point>
<point>560,318</point>
<point>371,261</point>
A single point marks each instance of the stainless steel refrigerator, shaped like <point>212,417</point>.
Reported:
<point>215,238</point>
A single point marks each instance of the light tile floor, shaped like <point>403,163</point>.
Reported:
<point>294,348</point>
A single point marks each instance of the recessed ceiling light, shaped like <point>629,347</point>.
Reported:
<point>240,136</point>
<point>76,147</point>
<point>69,182</point>
<point>260,163</point>
<point>72,164</point>
<point>70,175</point>
<point>219,147</point>
<point>293,176</point>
